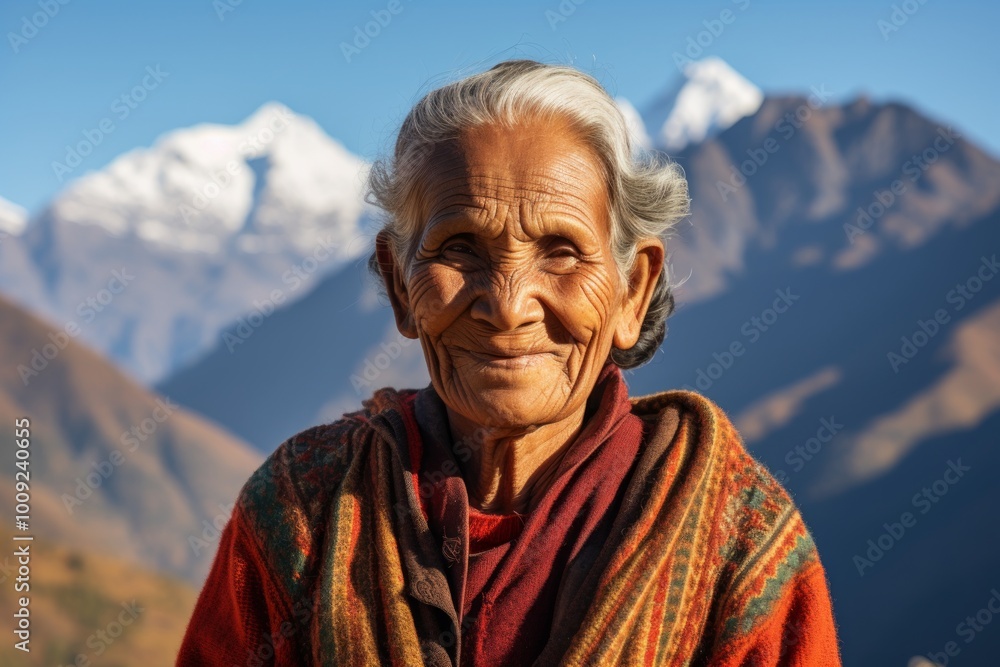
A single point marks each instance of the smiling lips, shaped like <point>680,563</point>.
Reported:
<point>518,362</point>
<point>498,359</point>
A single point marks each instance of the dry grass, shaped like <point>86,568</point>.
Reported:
<point>75,595</point>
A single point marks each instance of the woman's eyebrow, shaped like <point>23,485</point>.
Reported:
<point>443,226</point>
<point>573,228</point>
<point>461,220</point>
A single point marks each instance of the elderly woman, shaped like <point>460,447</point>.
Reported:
<point>521,509</point>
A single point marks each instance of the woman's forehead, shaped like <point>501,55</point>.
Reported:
<point>520,171</point>
<point>522,209</point>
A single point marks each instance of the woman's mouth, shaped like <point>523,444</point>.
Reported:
<point>513,361</point>
<point>507,360</point>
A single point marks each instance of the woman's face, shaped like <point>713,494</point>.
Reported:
<point>512,289</point>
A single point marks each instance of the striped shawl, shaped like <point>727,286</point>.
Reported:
<point>328,560</point>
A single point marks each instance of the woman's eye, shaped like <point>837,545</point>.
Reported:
<point>459,247</point>
<point>564,251</point>
<point>562,248</point>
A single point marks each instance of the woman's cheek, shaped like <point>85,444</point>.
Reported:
<point>435,302</point>
<point>584,304</point>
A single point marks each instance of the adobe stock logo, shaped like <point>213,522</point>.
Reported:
<point>753,328</point>
<point>924,500</point>
<point>31,25</point>
<point>958,297</point>
<point>88,309</point>
<point>899,17</point>
<point>803,453</point>
<point>122,107</point>
<point>913,169</point>
<point>565,9</point>
<point>374,366</point>
<point>363,35</point>
<point>697,43</point>
<point>785,128</point>
<point>969,628</point>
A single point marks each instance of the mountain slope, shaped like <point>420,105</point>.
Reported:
<point>307,363</point>
<point>790,187</point>
<point>79,601</point>
<point>114,467</point>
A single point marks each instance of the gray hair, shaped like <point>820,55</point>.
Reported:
<point>648,193</point>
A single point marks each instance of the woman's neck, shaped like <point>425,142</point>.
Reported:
<point>510,469</point>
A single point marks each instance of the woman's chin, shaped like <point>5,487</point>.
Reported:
<point>514,403</point>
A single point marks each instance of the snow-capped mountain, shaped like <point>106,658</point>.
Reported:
<point>17,273</point>
<point>710,97</point>
<point>272,183</point>
<point>13,218</point>
<point>154,254</point>
<point>636,128</point>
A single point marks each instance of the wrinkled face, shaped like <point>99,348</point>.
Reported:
<point>512,288</point>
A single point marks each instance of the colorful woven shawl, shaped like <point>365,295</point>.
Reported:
<point>327,550</point>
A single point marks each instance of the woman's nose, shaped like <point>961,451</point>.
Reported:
<point>510,300</point>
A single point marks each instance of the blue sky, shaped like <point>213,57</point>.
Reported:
<point>62,79</point>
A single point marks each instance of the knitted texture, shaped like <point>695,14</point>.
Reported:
<point>489,530</point>
<point>328,558</point>
<point>510,593</point>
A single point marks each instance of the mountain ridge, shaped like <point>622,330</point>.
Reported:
<point>209,219</point>
<point>115,468</point>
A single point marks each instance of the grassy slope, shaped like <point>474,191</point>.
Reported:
<point>75,594</point>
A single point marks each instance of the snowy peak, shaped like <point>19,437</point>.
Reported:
<point>710,97</point>
<point>212,220</point>
<point>273,182</point>
<point>13,218</point>
<point>633,120</point>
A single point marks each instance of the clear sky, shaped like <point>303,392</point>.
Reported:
<point>221,60</point>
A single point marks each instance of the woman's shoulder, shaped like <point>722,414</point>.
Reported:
<point>285,502</point>
<point>680,413</point>
<point>761,550</point>
<point>754,506</point>
<point>291,474</point>
<point>307,467</point>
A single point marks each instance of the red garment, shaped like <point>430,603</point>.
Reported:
<point>243,616</point>
<point>530,553</point>
<point>491,530</point>
<point>329,557</point>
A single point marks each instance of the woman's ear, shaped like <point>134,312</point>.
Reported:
<point>642,284</point>
<point>395,287</point>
